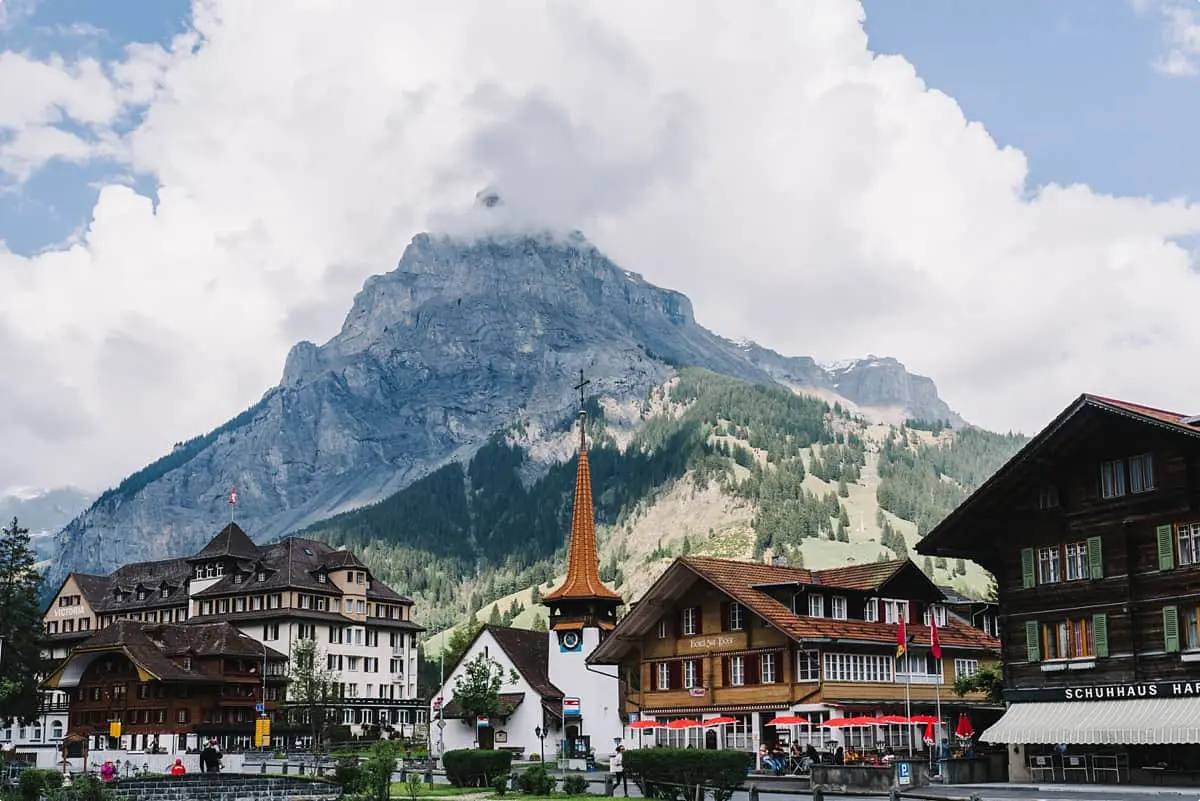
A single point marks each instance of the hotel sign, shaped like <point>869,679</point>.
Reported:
<point>706,643</point>
<point>1108,692</point>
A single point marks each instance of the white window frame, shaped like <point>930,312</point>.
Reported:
<point>663,676</point>
<point>662,629</point>
<point>858,668</point>
<point>1141,473</point>
<point>839,607</point>
<point>691,620</point>
<point>737,671</point>
<point>892,611</point>
<point>690,674</point>
<point>1077,566</point>
<point>808,665</point>
<point>936,611</point>
<point>1049,569</point>
<point>768,668</point>
<point>871,610</point>
<point>965,667</point>
<point>1112,479</point>
<point>1187,539</point>
<point>737,617</point>
<point>816,605</point>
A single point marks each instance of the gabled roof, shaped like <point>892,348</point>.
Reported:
<point>947,538</point>
<point>528,652</point>
<point>583,565</point>
<point>230,541</point>
<point>747,583</point>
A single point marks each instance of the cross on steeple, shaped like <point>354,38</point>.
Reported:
<point>582,383</point>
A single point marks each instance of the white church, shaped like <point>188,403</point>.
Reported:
<point>557,695</point>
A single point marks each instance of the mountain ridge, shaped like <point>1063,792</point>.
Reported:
<point>463,339</point>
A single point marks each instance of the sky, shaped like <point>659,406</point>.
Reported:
<point>1001,194</point>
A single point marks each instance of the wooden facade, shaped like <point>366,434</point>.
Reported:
<point>1089,532</point>
<point>714,637</point>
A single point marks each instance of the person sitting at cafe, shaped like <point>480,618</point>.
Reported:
<point>839,756</point>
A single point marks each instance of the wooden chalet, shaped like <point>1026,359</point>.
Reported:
<point>749,641</point>
<point>169,685</point>
<point>1093,534</point>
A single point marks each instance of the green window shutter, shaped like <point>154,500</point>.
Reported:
<point>1028,577</point>
<point>1166,547</point>
<point>1100,634</point>
<point>1033,645</point>
<point>1171,629</point>
<point>1095,557</point>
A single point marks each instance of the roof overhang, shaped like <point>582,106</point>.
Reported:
<point>671,585</point>
<point>70,673</point>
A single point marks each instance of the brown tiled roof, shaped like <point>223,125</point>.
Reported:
<point>529,652</point>
<point>514,700</point>
<point>583,568</point>
<point>946,538</point>
<point>866,577</point>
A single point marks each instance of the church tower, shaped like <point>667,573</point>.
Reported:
<point>582,612</point>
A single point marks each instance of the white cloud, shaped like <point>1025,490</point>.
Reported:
<point>802,191</point>
<point>1181,35</point>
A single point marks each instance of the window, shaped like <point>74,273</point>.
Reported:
<point>737,617</point>
<point>1048,497</point>
<point>690,674</point>
<point>691,621</point>
<point>937,612</point>
<point>1048,572</point>
<point>1077,561</point>
<point>766,673</point>
<point>737,671</point>
<point>663,680</point>
<point>965,667</point>
<point>270,631</point>
<point>895,611</point>
<point>1068,639</point>
<point>321,578</point>
<point>871,610</point>
<point>816,605</point>
<point>858,668</point>
<point>837,607</point>
<point>1112,479</point>
<point>663,629</point>
<point>808,666</point>
<point>1141,473</point>
<point>1188,535</point>
<point>989,625</point>
<point>1191,629</point>
<point>164,592</point>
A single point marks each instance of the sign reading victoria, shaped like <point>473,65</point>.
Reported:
<point>1108,692</point>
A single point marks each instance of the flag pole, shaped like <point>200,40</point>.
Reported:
<point>937,727</point>
<point>908,702</point>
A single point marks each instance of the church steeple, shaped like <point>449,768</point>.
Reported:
<point>582,597</point>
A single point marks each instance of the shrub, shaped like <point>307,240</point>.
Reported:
<point>348,773</point>
<point>500,785</point>
<point>575,785</point>
<point>536,781</point>
<point>673,773</point>
<point>470,767</point>
<point>36,781</point>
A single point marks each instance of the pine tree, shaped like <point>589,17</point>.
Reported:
<point>843,488</point>
<point>927,566</point>
<point>687,546</point>
<point>20,625</point>
<point>960,566</point>
<point>535,595</point>
<point>539,623</point>
<point>940,563</point>
<point>495,618</point>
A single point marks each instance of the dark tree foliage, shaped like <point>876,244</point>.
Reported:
<point>21,633</point>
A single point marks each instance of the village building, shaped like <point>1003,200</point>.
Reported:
<point>276,594</point>
<point>748,642</point>
<point>1092,531</point>
<point>582,704</point>
<point>169,686</point>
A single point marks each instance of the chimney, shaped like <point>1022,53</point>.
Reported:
<point>779,561</point>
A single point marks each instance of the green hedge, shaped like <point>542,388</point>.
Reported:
<point>673,773</point>
<point>472,767</point>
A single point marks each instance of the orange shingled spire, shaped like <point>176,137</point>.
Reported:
<point>583,569</point>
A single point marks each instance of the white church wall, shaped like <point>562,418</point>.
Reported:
<point>518,728</point>
<point>598,691</point>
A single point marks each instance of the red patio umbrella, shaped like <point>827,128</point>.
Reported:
<point>930,737</point>
<point>685,723</point>
<point>857,721</point>
<point>892,719</point>
<point>964,729</point>
<point>788,720</point>
<point>646,724</point>
<point>724,720</point>
<point>925,719</point>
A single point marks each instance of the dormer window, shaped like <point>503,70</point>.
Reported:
<point>838,607</point>
<point>816,605</point>
<point>260,576</point>
<point>895,611</point>
<point>935,612</point>
<point>871,610</point>
<point>238,578</point>
<point>199,571</point>
<point>141,595</point>
<point>165,592</point>
<point>322,578</point>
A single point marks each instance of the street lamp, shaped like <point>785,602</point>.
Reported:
<point>537,732</point>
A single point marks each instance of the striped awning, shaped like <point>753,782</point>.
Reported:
<point>1134,721</point>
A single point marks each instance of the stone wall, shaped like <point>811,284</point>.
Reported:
<point>225,787</point>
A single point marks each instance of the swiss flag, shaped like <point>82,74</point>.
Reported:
<point>233,496</point>
<point>935,645</point>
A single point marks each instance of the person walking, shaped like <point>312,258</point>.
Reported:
<point>617,769</point>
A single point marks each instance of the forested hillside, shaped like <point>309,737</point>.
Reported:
<point>468,537</point>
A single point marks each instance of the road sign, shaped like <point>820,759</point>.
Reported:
<point>570,708</point>
<point>260,708</point>
<point>903,773</point>
<point>441,724</point>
